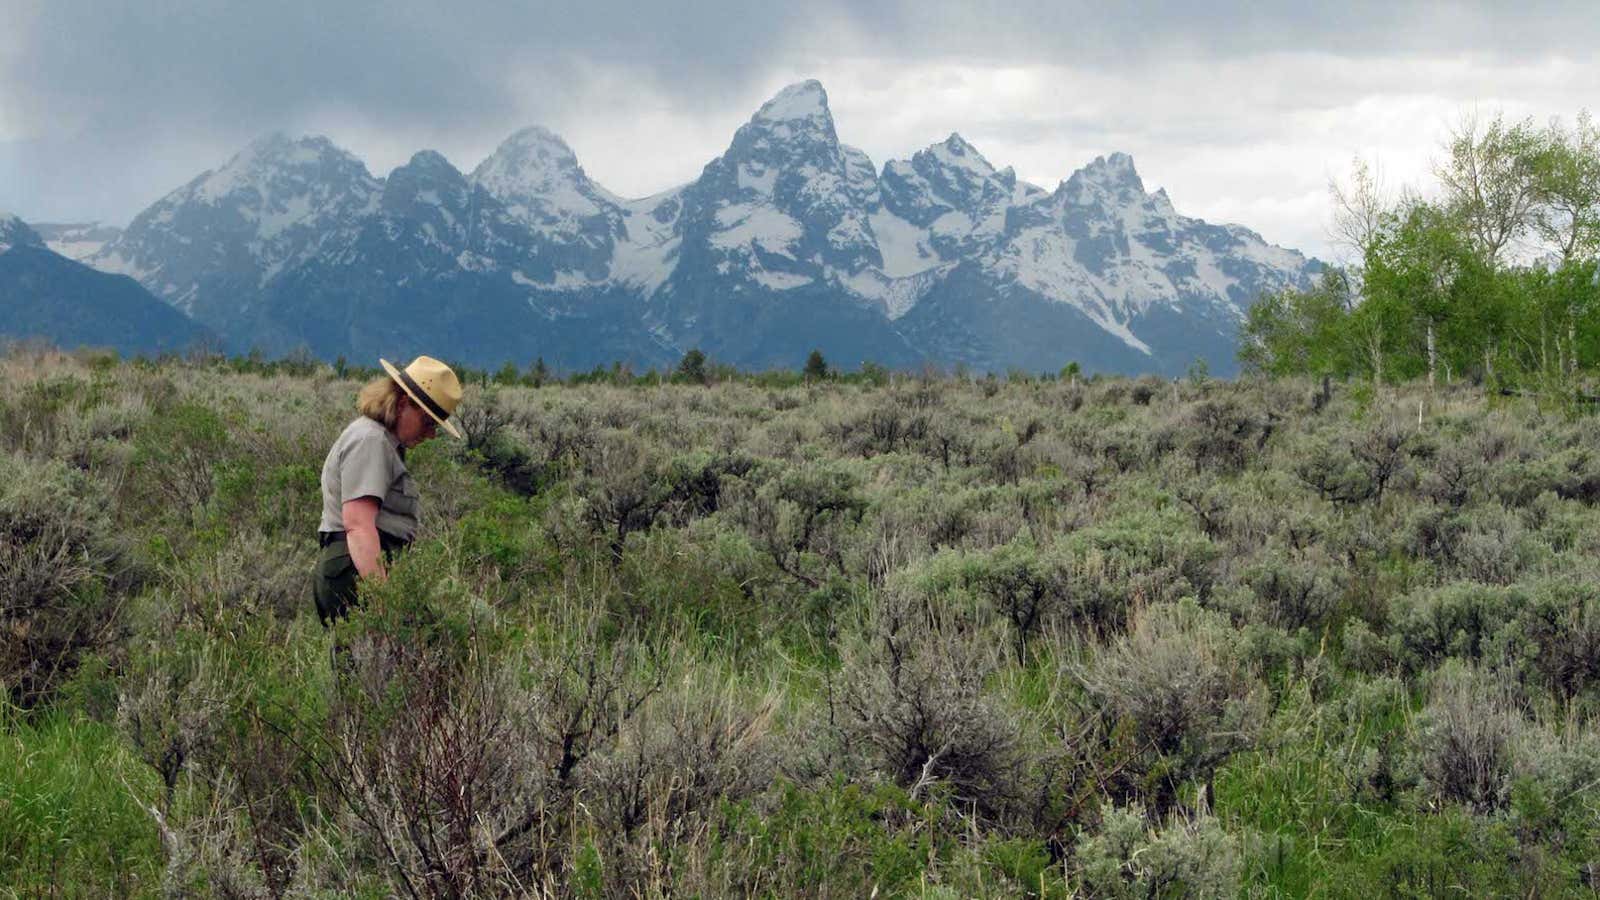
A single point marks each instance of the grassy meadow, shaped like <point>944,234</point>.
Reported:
<point>841,637</point>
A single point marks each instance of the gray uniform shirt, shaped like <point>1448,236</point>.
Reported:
<point>365,462</point>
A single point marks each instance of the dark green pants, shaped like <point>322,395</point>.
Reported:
<point>333,583</point>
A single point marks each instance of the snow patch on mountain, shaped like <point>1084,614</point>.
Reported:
<point>647,255</point>
<point>1044,263</point>
<point>563,281</point>
<point>780,281</point>
<point>756,226</point>
<point>904,246</point>
<point>894,296</point>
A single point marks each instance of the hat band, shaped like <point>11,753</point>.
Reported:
<point>422,395</point>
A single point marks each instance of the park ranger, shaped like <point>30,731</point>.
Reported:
<point>369,502</point>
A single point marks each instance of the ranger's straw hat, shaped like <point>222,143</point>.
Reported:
<point>433,385</point>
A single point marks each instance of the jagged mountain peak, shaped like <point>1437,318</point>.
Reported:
<point>535,151</point>
<point>951,188</point>
<point>1116,162</point>
<point>802,100</point>
<point>1114,173</point>
<point>793,130</point>
<point>957,147</point>
<point>956,155</point>
<point>271,154</point>
<point>791,135</point>
<point>786,206</point>
<point>427,187</point>
<point>794,123</point>
<point>536,174</point>
<point>958,144</point>
<point>430,161</point>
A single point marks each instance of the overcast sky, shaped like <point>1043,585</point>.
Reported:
<point>1242,115</point>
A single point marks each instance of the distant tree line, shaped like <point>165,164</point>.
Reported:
<point>695,367</point>
<point>1492,277</point>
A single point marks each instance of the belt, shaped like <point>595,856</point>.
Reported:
<point>386,540</point>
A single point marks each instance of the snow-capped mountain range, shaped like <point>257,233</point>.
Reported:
<point>786,242</point>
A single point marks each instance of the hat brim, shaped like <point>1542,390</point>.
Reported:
<point>395,374</point>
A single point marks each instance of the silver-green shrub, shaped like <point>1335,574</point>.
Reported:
<point>1189,855</point>
<point>1466,737</point>
<point>1179,680</point>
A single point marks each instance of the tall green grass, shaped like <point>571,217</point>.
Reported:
<point>72,816</point>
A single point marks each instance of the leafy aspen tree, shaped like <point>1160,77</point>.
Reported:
<point>1568,183</point>
<point>1295,332</point>
<point>1491,182</point>
<point>1568,221</point>
<point>1414,264</point>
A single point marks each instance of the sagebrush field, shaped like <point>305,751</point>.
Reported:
<point>935,636</point>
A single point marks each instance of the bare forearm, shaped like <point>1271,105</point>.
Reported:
<point>366,551</point>
<point>361,536</point>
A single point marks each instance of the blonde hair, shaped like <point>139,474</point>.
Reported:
<point>380,401</point>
